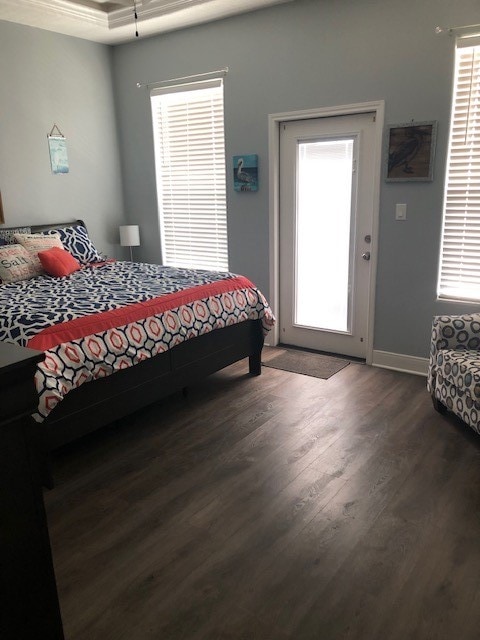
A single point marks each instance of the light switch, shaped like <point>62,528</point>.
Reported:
<point>401,212</point>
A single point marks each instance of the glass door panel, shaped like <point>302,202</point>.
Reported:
<point>324,230</point>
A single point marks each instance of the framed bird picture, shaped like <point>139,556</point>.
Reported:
<point>245,172</point>
<point>410,150</point>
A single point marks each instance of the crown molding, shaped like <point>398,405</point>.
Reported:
<point>56,8</point>
<point>114,25</point>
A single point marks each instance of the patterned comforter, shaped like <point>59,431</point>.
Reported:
<point>103,319</point>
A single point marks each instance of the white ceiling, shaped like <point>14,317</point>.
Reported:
<point>112,21</point>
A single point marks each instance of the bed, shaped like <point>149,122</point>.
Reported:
<point>138,344</point>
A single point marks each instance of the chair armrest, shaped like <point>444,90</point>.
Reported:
<point>458,332</point>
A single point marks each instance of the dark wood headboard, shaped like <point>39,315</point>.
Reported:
<point>37,228</point>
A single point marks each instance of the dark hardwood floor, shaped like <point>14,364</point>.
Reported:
<point>275,507</point>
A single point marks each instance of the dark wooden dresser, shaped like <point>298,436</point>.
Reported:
<point>29,606</point>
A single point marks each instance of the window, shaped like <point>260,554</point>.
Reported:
<point>460,255</point>
<point>189,138</point>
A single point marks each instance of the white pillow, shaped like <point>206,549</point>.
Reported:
<point>16,263</point>
<point>35,242</point>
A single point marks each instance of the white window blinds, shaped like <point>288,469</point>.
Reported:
<point>460,255</point>
<point>188,124</point>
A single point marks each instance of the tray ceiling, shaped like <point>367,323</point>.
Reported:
<point>112,21</point>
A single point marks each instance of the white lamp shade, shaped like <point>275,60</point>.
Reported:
<point>130,235</point>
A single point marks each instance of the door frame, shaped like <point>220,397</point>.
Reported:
<point>274,121</point>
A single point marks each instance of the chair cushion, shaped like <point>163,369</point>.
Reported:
<point>460,368</point>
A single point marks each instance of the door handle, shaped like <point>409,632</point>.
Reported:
<point>366,255</point>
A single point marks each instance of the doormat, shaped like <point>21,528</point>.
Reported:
<point>309,364</point>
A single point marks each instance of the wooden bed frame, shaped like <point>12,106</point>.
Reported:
<point>102,401</point>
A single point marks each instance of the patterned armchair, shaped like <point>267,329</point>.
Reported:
<point>454,369</point>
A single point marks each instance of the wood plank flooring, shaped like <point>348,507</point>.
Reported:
<point>275,507</point>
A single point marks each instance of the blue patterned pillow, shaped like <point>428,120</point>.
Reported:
<point>6,235</point>
<point>76,241</point>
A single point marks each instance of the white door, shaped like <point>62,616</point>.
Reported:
<point>326,217</point>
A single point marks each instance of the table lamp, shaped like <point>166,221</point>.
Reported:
<point>130,237</point>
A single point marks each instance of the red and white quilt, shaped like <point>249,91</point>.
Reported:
<point>101,320</point>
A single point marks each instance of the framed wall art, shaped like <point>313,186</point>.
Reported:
<point>245,172</point>
<point>410,151</point>
<point>57,147</point>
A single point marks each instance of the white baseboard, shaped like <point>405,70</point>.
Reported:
<point>400,362</point>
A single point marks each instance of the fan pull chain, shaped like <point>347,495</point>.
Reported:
<point>136,17</point>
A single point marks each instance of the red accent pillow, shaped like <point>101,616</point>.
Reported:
<point>58,262</point>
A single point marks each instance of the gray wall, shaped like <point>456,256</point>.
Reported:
<point>47,78</point>
<point>312,53</point>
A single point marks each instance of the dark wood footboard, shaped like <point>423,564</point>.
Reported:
<point>98,403</point>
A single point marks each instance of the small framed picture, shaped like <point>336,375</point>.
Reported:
<point>57,146</point>
<point>245,172</point>
<point>410,151</point>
